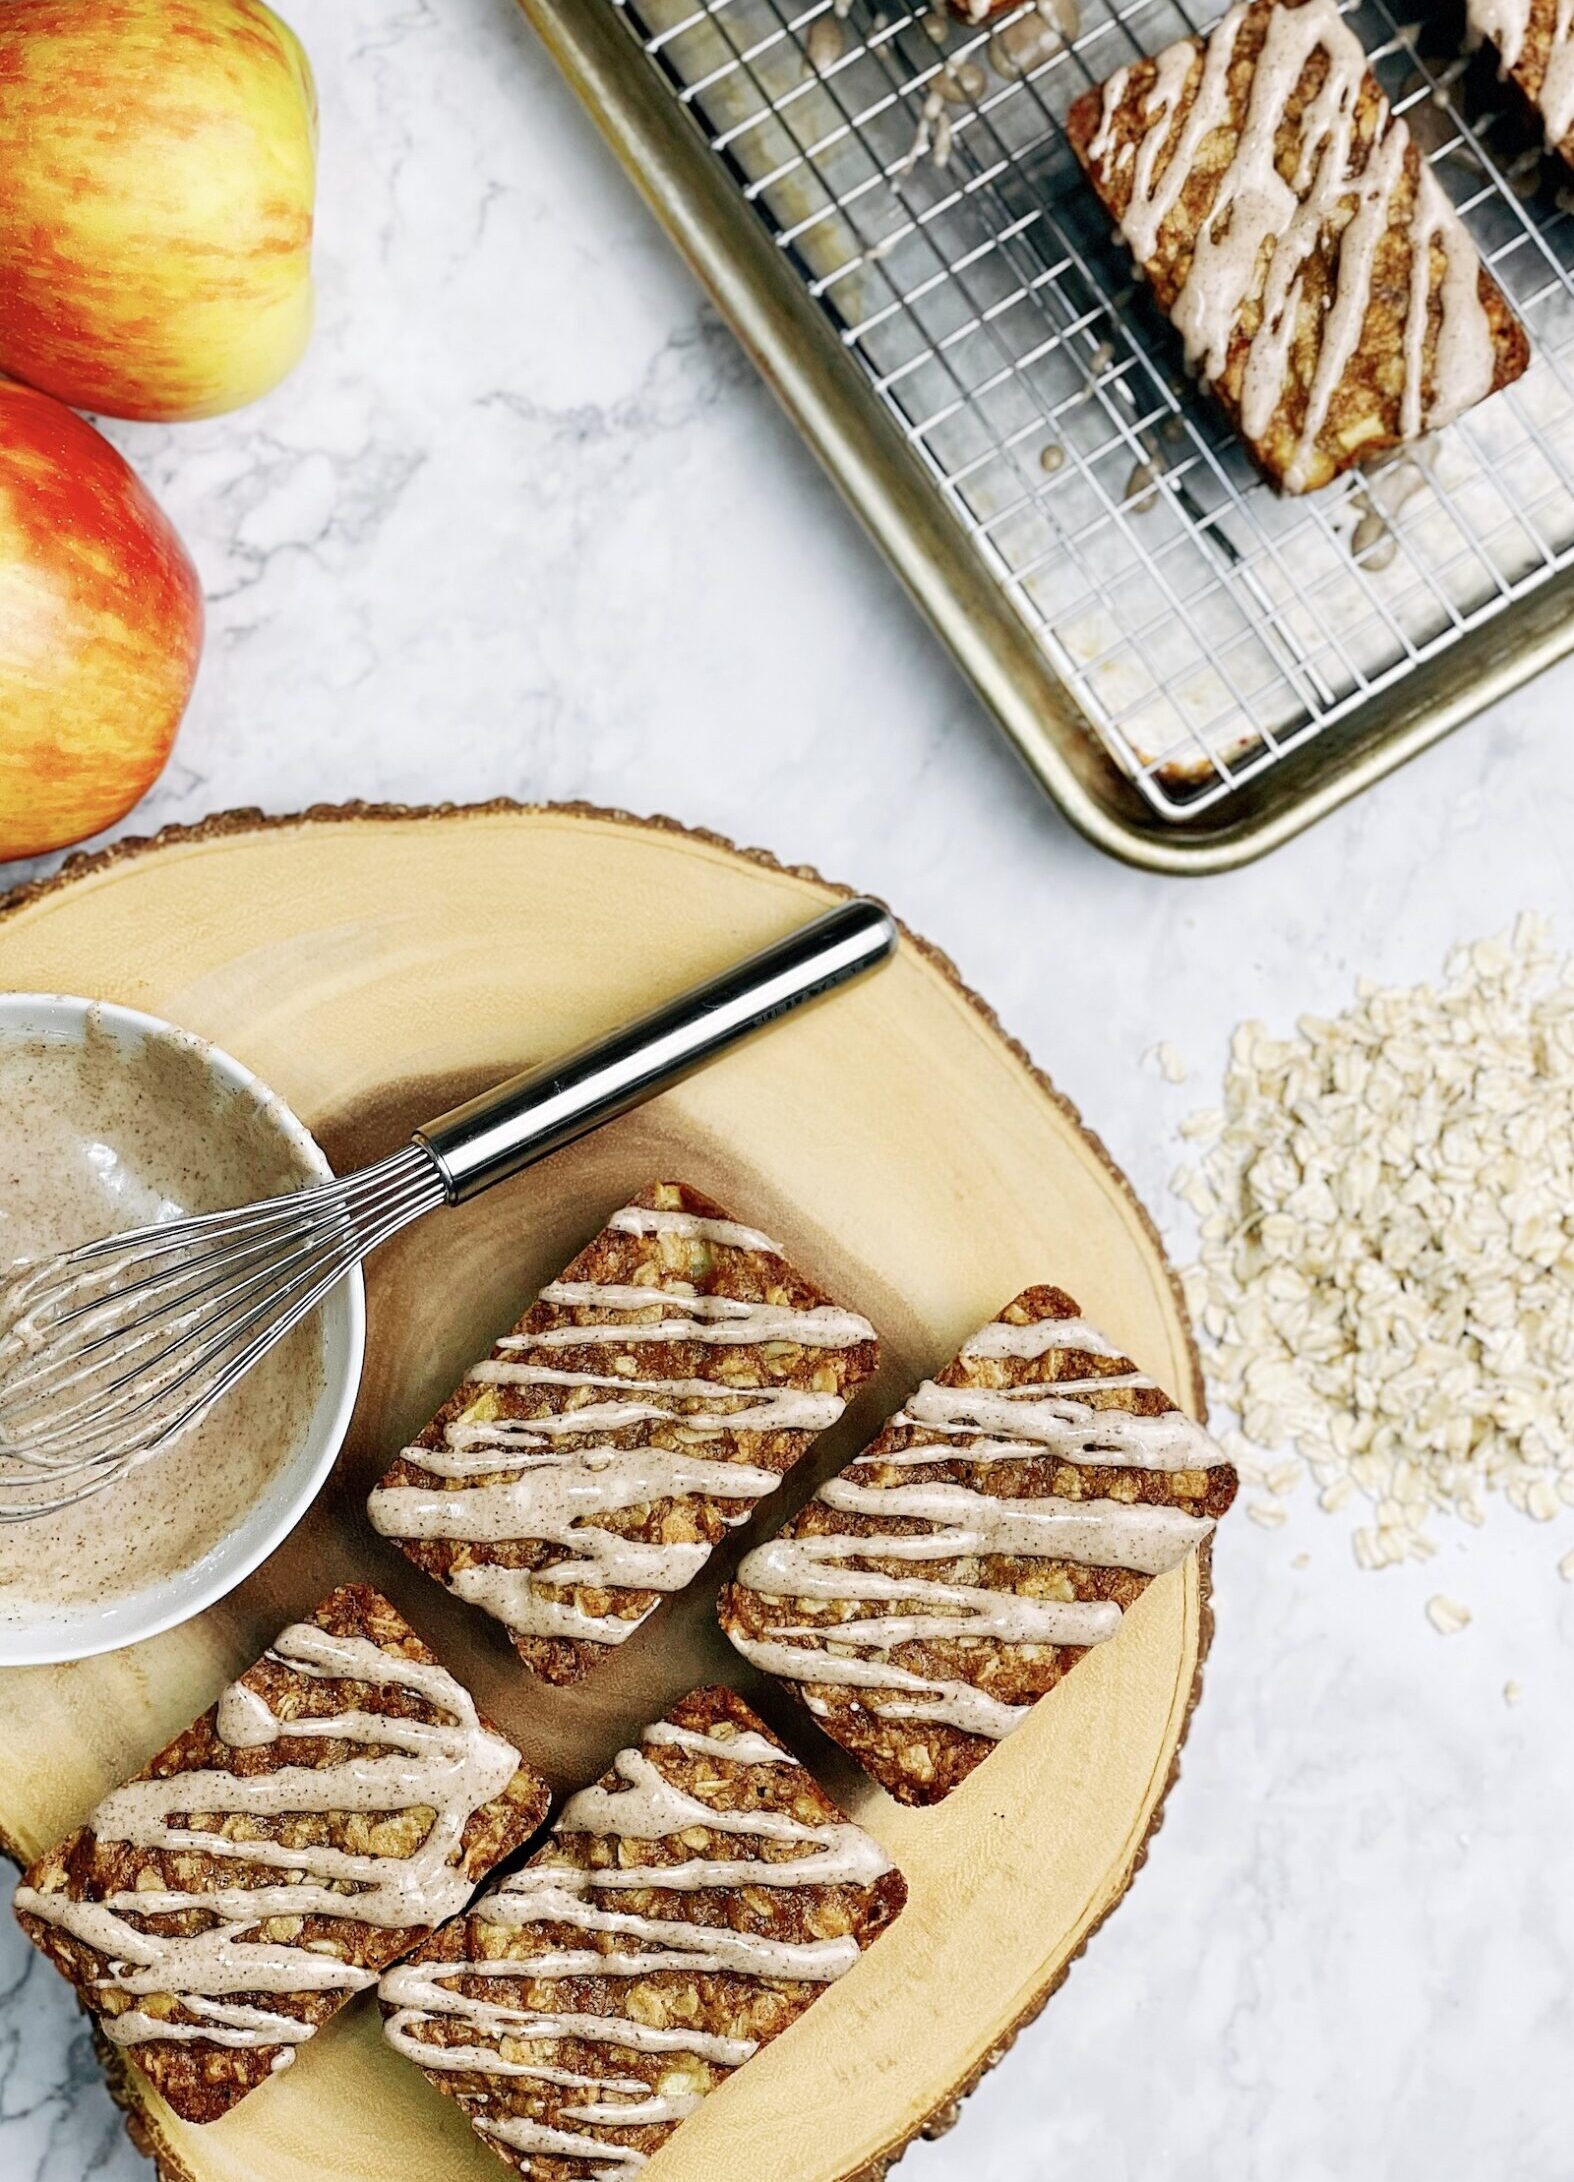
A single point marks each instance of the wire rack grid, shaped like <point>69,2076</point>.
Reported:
<point>916,172</point>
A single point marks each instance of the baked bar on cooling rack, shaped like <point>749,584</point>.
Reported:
<point>652,1394</point>
<point>1325,287</point>
<point>339,1800</point>
<point>999,1526</point>
<point>681,1913</point>
<point>1534,40</point>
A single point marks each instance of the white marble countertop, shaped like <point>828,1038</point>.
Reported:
<point>526,523</point>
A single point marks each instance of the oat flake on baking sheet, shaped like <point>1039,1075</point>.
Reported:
<point>1385,1278</point>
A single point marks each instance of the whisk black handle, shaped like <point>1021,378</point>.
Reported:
<point>506,1129</point>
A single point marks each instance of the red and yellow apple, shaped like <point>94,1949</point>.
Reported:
<point>157,174</point>
<point>100,628</point>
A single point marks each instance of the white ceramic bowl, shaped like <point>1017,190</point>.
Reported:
<point>243,1142</point>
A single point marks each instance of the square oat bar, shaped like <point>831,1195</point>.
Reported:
<point>1326,290</point>
<point>682,1912</point>
<point>646,1401</point>
<point>340,1799</point>
<point>998,1527</point>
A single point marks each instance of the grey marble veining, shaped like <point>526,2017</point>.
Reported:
<point>525,523</point>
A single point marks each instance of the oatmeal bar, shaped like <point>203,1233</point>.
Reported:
<point>1534,40</point>
<point>642,1406</point>
<point>339,1800</point>
<point>1000,1525</point>
<point>1326,289</point>
<point>680,1914</point>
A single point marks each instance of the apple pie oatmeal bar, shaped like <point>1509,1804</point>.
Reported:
<point>340,1799</point>
<point>999,1526</point>
<point>1325,287</point>
<point>647,1400</point>
<point>681,1913</point>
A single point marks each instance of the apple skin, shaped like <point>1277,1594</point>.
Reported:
<point>100,628</point>
<point>157,176</point>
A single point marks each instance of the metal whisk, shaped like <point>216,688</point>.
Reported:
<point>109,1352</point>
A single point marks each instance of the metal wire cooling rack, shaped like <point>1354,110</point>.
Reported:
<point>925,194</point>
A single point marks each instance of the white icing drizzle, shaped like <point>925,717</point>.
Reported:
<point>244,1719</point>
<point>615,2160</point>
<point>743,1747</point>
<point>647,1806</point>
<point>513,1596</point>
<point>479,1449</point>
<point>558,1894</point>
<point>725,1320</point>
<point>1255,207</point>
<point>973,1427</point>
<point>763,1408</point>
<point>554,1492</point>
<point>1053,1422</point>
<point>1147,1537</point>
<point>451,1767</point>
<point>848,1856</point>
<point>1463,364</point>
<point>558,1496</point>
<point>418,1991</point>
<point>1039,1337</point>
<point>692,1227</point>
<point>918,1697</point>
<point>1507,24</point>
<point>545,1490</point>
<point>556,1500</point>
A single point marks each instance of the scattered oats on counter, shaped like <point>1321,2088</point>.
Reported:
<point>1447,1616</point>
<point>1385,1283</point>
<point>1167,1060</point>
<point>1207,1121</point>
<point>1512,1693</point>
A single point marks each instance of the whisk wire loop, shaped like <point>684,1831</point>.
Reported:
<point>124,1344</point>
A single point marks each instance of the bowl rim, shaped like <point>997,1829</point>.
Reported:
<point>40,1645</point>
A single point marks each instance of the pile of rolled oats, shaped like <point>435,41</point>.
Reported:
<point>1385,1283</point>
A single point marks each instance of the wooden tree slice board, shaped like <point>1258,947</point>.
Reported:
<point>375,965</point>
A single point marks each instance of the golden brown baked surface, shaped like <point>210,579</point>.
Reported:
<point>1327,293</point>
<point>178,2043</point>
<point>1024,1497</point>
<point>704,1359</point>
<point>653,1943</point>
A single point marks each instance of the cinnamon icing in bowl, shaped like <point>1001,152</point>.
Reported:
<point>109,1120</point>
